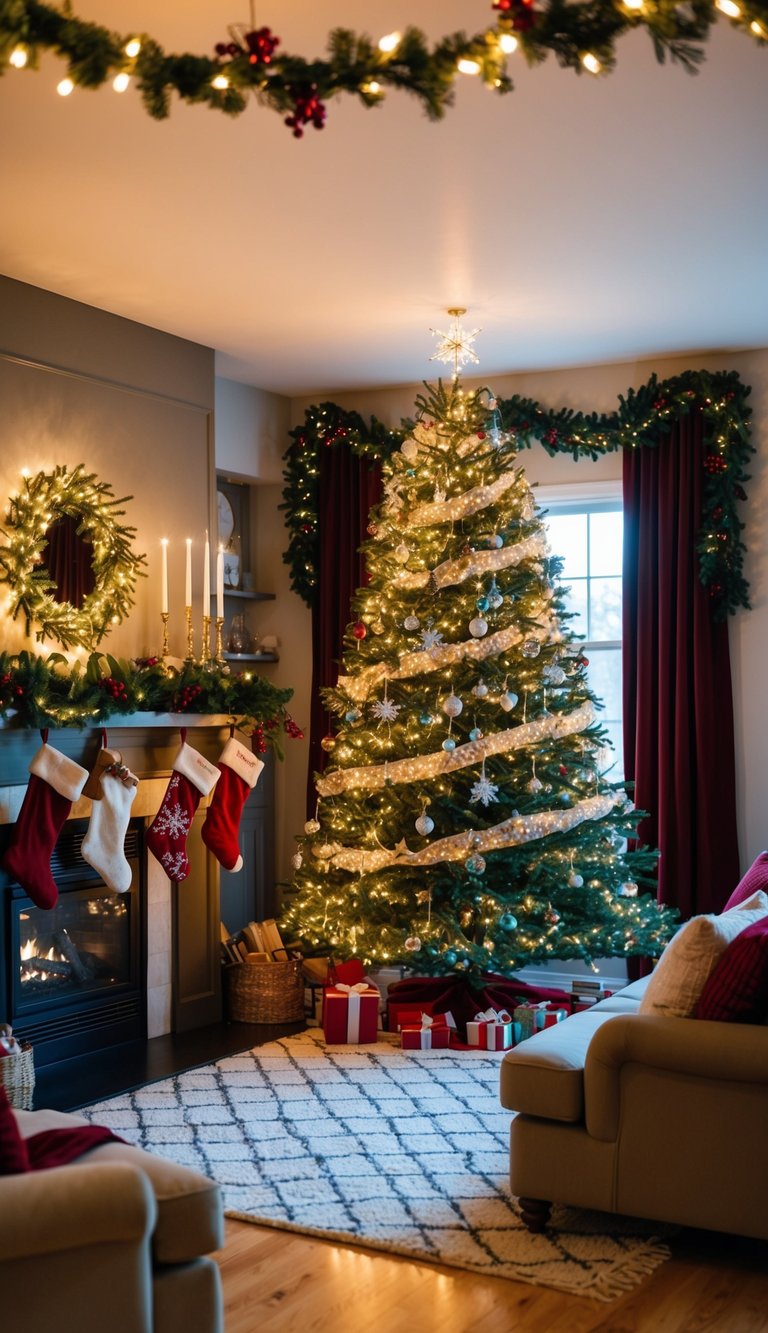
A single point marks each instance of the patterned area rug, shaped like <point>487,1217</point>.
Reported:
<point>393,1150</point>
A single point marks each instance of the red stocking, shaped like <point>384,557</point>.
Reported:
<point>192,777</point>
<point>240,771</point>
<point>55,783</point>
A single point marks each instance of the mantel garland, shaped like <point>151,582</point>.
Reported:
<point>50,691</point>
<point>581,34</point>
<point>644,417</point>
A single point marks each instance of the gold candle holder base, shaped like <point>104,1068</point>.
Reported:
<point>190,635</point>
<point>219,639</point>
<point>205,651</point>
<point>164,618</point>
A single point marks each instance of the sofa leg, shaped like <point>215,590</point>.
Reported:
<point>535,1213</point>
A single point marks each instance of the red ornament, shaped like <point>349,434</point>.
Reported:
<point>293,730</point>
<point>563,771</point>
<point>259,46</point>
<point>372,529</point>
<point>359,630</point>
<point>481,435</point>
<point>550,436</point>
<point>714,463</point>
<point>308,109</point>
<point>521,12</point>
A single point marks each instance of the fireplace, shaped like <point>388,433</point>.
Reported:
<point>76,975</point>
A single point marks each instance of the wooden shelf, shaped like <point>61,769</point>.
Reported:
<point>248,596</point>
<point>251,657</point>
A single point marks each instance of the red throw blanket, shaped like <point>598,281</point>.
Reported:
<point>51,1147</point>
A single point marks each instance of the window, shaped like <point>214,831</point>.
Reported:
<point>587,534</point>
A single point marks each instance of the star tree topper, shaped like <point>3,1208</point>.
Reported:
<point>456,345</point>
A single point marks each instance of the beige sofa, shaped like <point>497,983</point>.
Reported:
<point>112,1243</point>
<point>655,1117</point>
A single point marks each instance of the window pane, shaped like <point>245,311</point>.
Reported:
<point>604,674</point>
<point>568,539</point>
<point>605,608</point>
<point>576,603</point>
<point>606,535</point>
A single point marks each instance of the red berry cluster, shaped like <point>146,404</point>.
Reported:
<point>308,109</point>
<point>522,13</point>
<point>259,46</point>
<point>258,742</point>
<point>147,661</point>
<point>183,701</point>
<point>114,687</point>
<point>714,463</point>
<point>293,730</point>
<point>551,436</point>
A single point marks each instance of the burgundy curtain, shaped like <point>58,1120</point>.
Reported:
<point>678,710</point>
<point>349,486</point>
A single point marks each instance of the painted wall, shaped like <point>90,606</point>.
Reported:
<point>135,406</point>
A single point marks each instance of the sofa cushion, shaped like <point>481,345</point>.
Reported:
<point>737,990</point>
<point>189,1221</point>
<point>544,1076</point>
<point>626,1000</point>
<point>679,977</point>
<point>14,1158</point>
<point>755,880</point>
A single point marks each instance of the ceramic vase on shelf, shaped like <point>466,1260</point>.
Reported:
<point>240,639</point>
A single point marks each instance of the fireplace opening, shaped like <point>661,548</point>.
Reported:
<point>77,972</point>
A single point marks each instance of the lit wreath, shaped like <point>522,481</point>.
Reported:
<point>79,495</point>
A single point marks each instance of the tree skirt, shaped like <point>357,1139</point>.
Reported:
<point>399,1151</point>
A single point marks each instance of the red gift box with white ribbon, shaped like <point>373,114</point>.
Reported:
<point>432,1033</point>
<point>351,1013</point>
<point>493,1030</point>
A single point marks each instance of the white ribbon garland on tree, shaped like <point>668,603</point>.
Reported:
<point>478,562</point>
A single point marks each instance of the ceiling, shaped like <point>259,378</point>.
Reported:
<point>579,220</point>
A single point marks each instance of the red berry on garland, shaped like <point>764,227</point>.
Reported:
<point>716,589</point>
<point>714,463</point>
<point>261,45</point>
<point>550,436</point>
<point>481,435</point>
<point>308,109</point>
<point>522,13</point>
<point>359,630</point>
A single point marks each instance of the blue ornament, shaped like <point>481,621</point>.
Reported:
<point>426,719</point>
<point>449,745</point>
<point>352,716</point>
<point>475,734</point>
<point>450,957</point>
<point>507,921</point>
<point>482,603</point>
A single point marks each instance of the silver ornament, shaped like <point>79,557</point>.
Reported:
<point>402,553</point>
<point>535,785</point>
<point>478,627</point>
<point>629,889</point>
<point>531,648</point>
<point>475,864</point>
<point>411,622</point>
<point>312,826</point>
<point>413,944</point>
<point>452,705</point>
<point>508,701</point>
<point>575,880</point>
<point>424,825</point>
<point>480,689</point>
<point>297,860</point>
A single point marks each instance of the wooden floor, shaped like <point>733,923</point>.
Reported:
<point>280,1282</point>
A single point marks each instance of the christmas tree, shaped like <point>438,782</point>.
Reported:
<point>467,822</point>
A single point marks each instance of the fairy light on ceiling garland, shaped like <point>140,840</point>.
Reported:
<point>298,88</point>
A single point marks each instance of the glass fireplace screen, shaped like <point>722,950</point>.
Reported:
<point>83,944</point>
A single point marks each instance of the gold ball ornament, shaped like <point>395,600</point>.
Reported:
<point>328,743</point>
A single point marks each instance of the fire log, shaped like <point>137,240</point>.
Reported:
<point>81,973</point>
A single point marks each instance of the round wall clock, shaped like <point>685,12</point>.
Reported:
<point>226,517</point>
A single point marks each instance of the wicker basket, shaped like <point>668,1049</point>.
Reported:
<point>17,1076</point>
<point>265,992</point>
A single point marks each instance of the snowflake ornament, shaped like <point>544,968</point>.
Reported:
<point>483,790</point>
<point>431,639</point>
<point>384,710</point>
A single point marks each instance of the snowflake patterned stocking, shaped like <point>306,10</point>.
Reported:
<point>192,777</point>
<point>56,781</point>
<point>240,771</point>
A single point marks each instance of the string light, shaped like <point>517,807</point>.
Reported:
<point>132,48</point>
<point>729,7</point>
<point>467,66</point>
<point>18,57</point>
<point>593,65</point>
<point>390,43</point>
<point>120,82</point>
<point>508,43</point>
<point>65,87</point>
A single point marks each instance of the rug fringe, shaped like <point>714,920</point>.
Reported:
<point>607,1287</point>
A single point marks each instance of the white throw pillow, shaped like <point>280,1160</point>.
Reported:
<point>685,965</point>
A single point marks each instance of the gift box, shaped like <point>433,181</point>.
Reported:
<point>494,1030</point>
<point>351,1013</point>
<point>430,1034</point>
<point>402,1011</point>
<point>535,1017</point>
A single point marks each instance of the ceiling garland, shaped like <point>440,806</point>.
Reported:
<point>644,418</point>
<point>581,34</point>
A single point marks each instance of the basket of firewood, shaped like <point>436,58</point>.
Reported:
<point>17,1070</point>
<point>264,991</point>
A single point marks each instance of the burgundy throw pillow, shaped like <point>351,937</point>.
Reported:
<point>737,990</point>
<point>14,1158</point>
<point>755,878</point>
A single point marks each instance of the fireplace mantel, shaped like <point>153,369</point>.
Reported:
<point>183,919</point>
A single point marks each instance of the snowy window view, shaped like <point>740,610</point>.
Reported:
<point>588,539</point>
